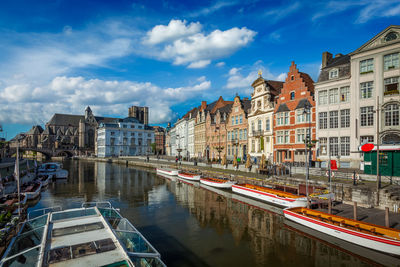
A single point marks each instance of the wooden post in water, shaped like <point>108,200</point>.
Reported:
<point>387,217</point>
<point>355,211</point>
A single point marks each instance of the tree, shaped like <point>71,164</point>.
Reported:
<point>153,147</point>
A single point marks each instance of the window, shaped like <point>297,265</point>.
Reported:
<point>367,65</point>
<point>132,134</point>
<point>366,89</point>
<point>229,150</point>
<point>286,118</point>
<point>252,127</point>
<point>391,86</point>
<point>322,145</point>
<point>344,94</point>
<point>333,96</point>
<point>291,95</point>
<point>112,141</point>
<point>125,141</point>
<point>334,73</point>
<point>237,120</point>
<point>292,77</point>
<point>301,116</point>
<point>236,109</point>
<point>333,119</point>
<point>323,97</point>
<point>286,137</point>
<point>241,119</point>
<point>279,137</point>
<point>279,118</point>
<point>300,135</point>
<point>112,133</point>
<point>391,61</point>
<point>391,36</point>
<point>259,125</point>
<point>333,146</point>
<point>267,125</point>
<point>367,116</point>
<point>245,134</point>
<point>233,120</point>
<point>253,145</point>
<point>367,139</point>
<point>240,134</point>
<point>345,146</point>
<point>229,136</point>
<point>132,126</point>
<point>345,118</point>
<point>323,120</point>
<point>392,115</point>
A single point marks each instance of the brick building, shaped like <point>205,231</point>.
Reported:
<point>216,117</point>
<point>236,127</point>
<point>291,123</point>
<point>159,139</point>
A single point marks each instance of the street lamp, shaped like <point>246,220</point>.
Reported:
<point>307,142</point>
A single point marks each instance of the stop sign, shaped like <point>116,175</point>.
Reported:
<point>367,147</point>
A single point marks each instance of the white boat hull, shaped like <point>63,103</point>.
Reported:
<point>35,194</point>
<point>225,185</point>
<point>168,172</point>
<point>270,198</point>
<point>189,177</point>
<point>362,239</point>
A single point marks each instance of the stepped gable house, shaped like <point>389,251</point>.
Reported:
<point>291,123</point>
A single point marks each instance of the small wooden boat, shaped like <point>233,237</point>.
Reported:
<point>44,179</point>
<point>167,171</point>
<point>361,233</point>
<point>217,182</point>
<point>32,190</point>
<point>11,201</point>
<point>189,176</point>
<point>270,195</point>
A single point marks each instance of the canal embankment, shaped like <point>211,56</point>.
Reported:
<point>364,192</point>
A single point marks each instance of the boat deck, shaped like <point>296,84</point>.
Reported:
<point>270,190</point>
<point>87,236</point>
<point>364,227</point>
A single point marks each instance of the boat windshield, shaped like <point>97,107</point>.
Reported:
<point>26,241</point>
<point>145,261</point>
<point>28,258</point>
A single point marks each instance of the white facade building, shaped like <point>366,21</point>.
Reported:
<point>191,124</point>
<point>347,96</point>
<point>260,117</point>
<point>125,137</point>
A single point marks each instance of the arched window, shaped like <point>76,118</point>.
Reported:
<point>392,115</point>
<point>291,95</point>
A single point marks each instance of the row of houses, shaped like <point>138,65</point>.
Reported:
<point>355,97</point>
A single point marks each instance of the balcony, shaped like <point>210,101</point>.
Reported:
<point>257,133</point>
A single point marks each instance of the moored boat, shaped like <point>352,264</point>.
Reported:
<point>189,176</point>
<point>87,236</point>
<point>369,235</point>
<point>217,182</point>
<point>270,195</point>
<point>167,171</point>
<point>31,190</point>
<point>54,169</point>
<point>44,179</point>
<point>11,201</point>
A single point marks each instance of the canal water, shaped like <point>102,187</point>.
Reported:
<point>191,225</point>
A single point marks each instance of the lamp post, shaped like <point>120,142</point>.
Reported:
<point>307,141</point>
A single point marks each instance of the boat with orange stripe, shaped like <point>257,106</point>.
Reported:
<point>270,195</point>
<point>217,182</point>
<point>189,176</point>
<point>364,234</point>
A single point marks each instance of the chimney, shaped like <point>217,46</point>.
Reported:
<point>245,98</point>
<point>326,57</point>
<point>203,105</point>
<point>338,55</point>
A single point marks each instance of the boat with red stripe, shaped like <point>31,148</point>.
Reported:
<point>364,234</point>
<point>270,195</point>
<point>217,182</point>
<point>166,171</point>
<point>189,176</point>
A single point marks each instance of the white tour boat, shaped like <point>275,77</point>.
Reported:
<point>86,236</point>
<point>269,195</point>
<point>217,182</point>
<point>167,171</point>
<point>53,169</point>
<point>364,234</point>
<point>189,176</point>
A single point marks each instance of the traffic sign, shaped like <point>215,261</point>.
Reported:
<point>367,147</point>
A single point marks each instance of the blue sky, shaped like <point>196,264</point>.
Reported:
<point>60,56</point>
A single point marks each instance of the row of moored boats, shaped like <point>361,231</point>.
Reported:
<point>364,234</point>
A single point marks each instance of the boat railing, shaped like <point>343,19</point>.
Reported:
<point>39,212</point>
<point>98,204</point>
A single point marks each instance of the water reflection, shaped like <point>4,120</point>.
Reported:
<point>192,225</point>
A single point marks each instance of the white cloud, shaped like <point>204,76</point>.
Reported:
<point>368,10</point>
<point>220,64</point>
<point>185,44</point>
<point>174,30</point>
<point>204,48</point>
<point>274,15</point>
<point>213,8</point>
<point>242,82</point>
<point>24,103</point>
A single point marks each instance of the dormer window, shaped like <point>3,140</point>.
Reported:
<point>292,95</point>
<point>391,36</point>
<point>333,74</point>
<point>292,77</point>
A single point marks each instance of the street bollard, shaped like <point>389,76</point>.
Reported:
<point>330,206</point>
<point>387,217</point>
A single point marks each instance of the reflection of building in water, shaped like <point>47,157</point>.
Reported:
<point>270,240</point>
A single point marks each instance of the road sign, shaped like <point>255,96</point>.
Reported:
<point>367,147</point>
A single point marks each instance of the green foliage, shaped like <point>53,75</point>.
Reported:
<point>153,147</point>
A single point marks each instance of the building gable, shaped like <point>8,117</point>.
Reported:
<point>388,36</point>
